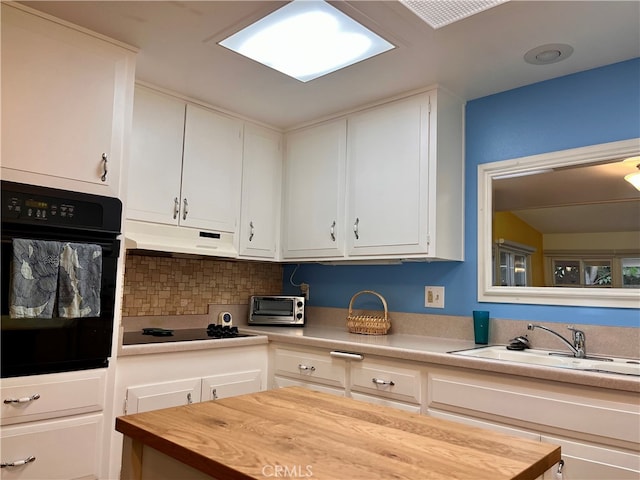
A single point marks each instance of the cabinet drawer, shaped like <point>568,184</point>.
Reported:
<point>556,407</point>
<point>311,367</point>
<point>63,449</point>
<point>57,395</point>
<point>386,380</point>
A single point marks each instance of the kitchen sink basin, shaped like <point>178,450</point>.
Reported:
<point>622,366</point>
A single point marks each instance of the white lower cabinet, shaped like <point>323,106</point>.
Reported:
<point>378,381</point>
<point>163,380</point>
<point>583,461</point>
<point>226,385</point>
<point>387,380</point>
<point>144,398</point>
<point>597,429</point>
<point>310,366</point>
<point>61,449</point>
<point>52,425</point>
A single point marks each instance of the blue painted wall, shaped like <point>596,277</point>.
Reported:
<point>587,108</point>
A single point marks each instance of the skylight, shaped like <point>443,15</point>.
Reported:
<point>307,39</point>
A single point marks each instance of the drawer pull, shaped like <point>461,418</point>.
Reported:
<point>347,355</point>
<point>33,397</point>
<point>305,368</point>
<point>379,381</point>
<point>18,463</point>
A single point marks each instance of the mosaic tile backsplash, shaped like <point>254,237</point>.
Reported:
<point>184,286</point>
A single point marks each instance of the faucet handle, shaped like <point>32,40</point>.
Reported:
<point>578,337</point>
<point>575,330</point>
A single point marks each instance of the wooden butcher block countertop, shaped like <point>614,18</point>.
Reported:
<point>321,436</point>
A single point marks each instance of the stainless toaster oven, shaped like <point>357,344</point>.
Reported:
<point>284,310</point>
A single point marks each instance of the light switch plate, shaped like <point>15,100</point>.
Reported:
<point>434,297</point>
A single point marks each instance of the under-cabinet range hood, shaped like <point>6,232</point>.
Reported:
<point>178,240</point>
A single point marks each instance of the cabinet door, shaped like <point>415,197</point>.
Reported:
<point>144,398</point>
<point>153,182</point>
<point>65,96</point>
<point>211,170</point>
<point>231,384</point>
<point>261,199</point>
<point>314,192</point>
<point>388,179</point>
<point>589,462</point>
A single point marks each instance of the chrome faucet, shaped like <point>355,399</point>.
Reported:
<point>578,348</point>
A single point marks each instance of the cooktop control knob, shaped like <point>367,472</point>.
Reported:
<point>225,319</point>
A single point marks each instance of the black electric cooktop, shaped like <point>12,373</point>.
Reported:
<point>161,335</point>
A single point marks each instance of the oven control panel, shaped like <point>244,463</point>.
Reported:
<point>27,208</point>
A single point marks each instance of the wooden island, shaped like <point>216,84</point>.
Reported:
<point>298,433</point>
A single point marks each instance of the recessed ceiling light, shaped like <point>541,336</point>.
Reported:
<point>438,13</point>
<point>550,53</point>
<point>306,39</point>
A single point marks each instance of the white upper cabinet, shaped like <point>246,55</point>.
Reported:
<point>186,164</point>
<point>211,170</point>
<point>403,193</point>
<point>66,103</point>
<point>405,179</point>
<point>155,167</point>
<point>388,179</point>
<point>314,192</point>
<point>261,192</point>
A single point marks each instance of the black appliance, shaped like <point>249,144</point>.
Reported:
<point>32,346</point>
<point>162,335</point>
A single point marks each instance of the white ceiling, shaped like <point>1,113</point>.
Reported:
<point>475,57</point>
<point>581,199</point>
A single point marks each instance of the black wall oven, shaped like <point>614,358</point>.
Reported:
<point>61,341</point>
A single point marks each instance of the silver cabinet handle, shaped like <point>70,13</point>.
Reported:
<point>33,397</point>
<point>18,463</point>
<point>332,230</point>
<point>185,208</point>
<point>176,207</point>
<point>347,355</point>
<point>379,381</point>
<point>305,368</point>
<point>251,231</point>
<point>355,228</point>
<point>104,167</point>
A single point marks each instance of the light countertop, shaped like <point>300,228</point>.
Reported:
<point>434,350</point>
<point>428,349</point>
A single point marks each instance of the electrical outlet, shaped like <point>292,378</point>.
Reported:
<point>434,297</point>
<point>304,289</point>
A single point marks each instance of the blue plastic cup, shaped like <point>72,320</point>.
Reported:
<point>481,326</point>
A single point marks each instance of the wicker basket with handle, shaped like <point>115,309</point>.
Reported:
<point>368,324</point>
